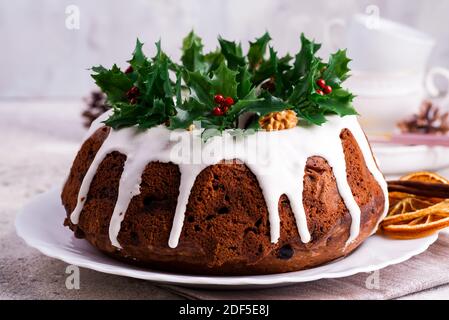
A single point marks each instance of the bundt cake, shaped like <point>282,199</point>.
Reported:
<point>167,181</point>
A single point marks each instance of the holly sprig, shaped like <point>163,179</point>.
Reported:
<point>144,94</point>
<point>225,84</point>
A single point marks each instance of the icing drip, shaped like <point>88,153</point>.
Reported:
<point>276,158</point>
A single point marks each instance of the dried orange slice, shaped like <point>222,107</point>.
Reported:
<point>408,204</point>
<point>416,230</point>
<point>425,176</point>
<point>411,216</point>
<point>439,209</point>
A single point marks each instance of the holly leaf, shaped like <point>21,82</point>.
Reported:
<point>305,85</point>
<point>266,70</point>
<point>153,116</point>
<point>213,60</point>
<point>165,79</point>
<point>192,53</point>
<point>232,53</point>
<point>201,86</point>
<point>178,88</point>
<point>224,82</point>
<point>338,102</point>
<point>147,82</point>
<point>209,133</point>
<point>241,107</point>
<point>138,59</point>
<point>279,81</point>
<point>257,108</point>
<point>257,51</point>
<point>261,106</point>
<point>305,59</point>
<point>284,63</point>
<point>243,79</point>
<point>337,69</point>
<point>113,82</point>
<point>124,115</point>
<point>190,111</point>
<point>311,113</point>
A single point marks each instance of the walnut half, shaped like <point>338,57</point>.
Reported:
<point>279,120</point>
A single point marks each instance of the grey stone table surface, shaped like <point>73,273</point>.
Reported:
<point>38,140</point>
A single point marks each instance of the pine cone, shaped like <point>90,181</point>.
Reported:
<point>428,120</point>
<point>96,105</point>
<point>279,120</point>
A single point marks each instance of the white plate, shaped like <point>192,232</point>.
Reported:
<point>40,225</point>
<point>400,159</point>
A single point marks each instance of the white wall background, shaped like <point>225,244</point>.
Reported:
<point>40,57</point>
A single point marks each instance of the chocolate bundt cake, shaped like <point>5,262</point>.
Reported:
<point>226,227</point>
<point>260,168</point>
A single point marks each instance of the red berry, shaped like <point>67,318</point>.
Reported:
<point>321,83</point>
<point>327,89</point>
<point>218,98</point>
<point>129,69</point>
<point>133,101</point>
<point>217,111</point>
<point>225,108</point>
<point>228,101</point>
<point>320,92</point>
<point>133,92</point>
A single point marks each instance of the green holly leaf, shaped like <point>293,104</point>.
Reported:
<point>337,69</point>
<point>224,82</point>
<point>200,86</point>
<point>146,82</point>
<point>241,107</point>
<point>139,58</point>
<point>159,52</point>
<point>257,51</point>
<point>338,102</point>
<point>304,87</point>
<point>284,63</point>
<point>213,60</point>
<point>190,111</point>
<point>114,82</point>
<point>178,88</point>
<point>267,105</point>
<point>305,59</point>
<point>153,116</point>
<point>311,113</point>
<point>266,70</point>
<point>165,79</point>
<point>124,115</point>
<point>183,119</point>
<point>243,79</point>
<point>279,81</point>
<point>232,53</point>
<point>261,106</point>
<point>192,53</point>
<point>241,133</point>
<point>257,108</point>
<point>210,132</point>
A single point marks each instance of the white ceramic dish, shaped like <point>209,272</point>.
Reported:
<point>399,159</point>
<point>40,225</point>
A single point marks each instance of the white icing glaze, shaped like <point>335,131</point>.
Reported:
<point>276,158</point>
